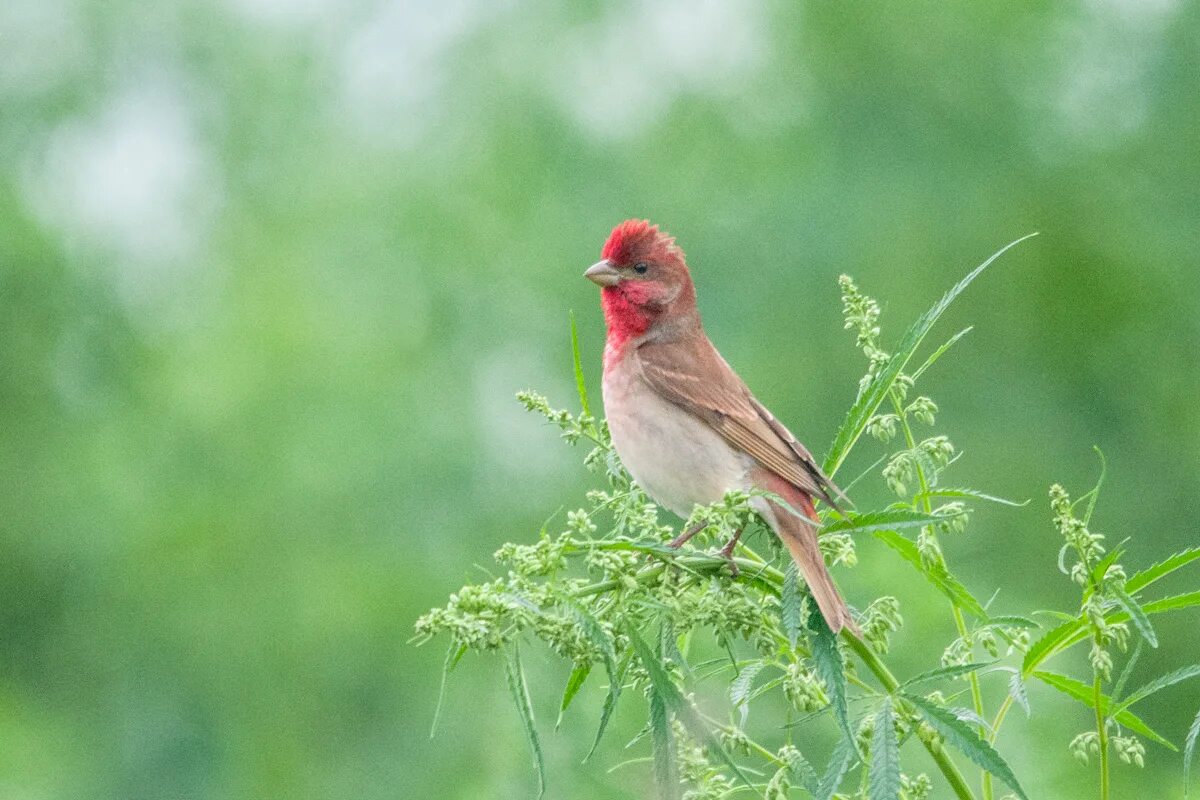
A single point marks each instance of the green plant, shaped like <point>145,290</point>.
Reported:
<point>667,624</point>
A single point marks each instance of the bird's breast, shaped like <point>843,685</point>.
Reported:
<point>676,457</point>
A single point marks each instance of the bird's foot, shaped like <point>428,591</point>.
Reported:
<point>683,538</point>
<point>727,551</point>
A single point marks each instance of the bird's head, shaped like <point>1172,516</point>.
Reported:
<point>643,276</point>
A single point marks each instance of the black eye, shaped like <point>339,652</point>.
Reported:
<point>641,267</point>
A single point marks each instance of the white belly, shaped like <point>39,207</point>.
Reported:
<point>678,459</point>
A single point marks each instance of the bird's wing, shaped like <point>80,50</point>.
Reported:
<point>691,374</point>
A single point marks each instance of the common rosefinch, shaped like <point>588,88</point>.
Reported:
<point>684,424</point>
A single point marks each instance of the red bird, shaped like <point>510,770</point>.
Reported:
<point>684,424</point>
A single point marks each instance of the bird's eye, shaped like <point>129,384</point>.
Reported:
<point>641,267</point>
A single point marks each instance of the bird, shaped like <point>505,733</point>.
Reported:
<point>683,423</point>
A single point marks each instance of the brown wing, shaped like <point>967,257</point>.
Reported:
<point>692,374</point>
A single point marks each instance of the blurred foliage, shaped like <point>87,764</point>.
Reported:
<point>270,272</point>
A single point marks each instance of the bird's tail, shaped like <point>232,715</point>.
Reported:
<point>800,537</point>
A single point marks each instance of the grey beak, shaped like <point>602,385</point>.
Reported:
<point>603,273</point>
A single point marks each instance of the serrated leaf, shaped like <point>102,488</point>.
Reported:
<point>1123,678</point>
<point>1101,568</point>
<point>677,704</point>
<point>964,738</point>
<point>739,690</point>
<point>884,775</point>
<point>803,772</point>
<point>936,354</point>
<point>616,677</point>
<point>1174,603</point>
<point>1160,570</point>
<point>1048,644</point>
<point>942,580</point>
<point>1189,749</point>
<point>969,494</point>
<point>1094,494</point>
<point>574,682</point>
<point>1158,684</point>
<point>1135,612</point>
<point>791,604</point>
<point>877,391</point>
<point>1016,690</point>
<point>452,657</point>
<point>952,671</point>
<point>520,695</point>
<point>602,640</point>
<point>1085,694</point>
<point>662,746</point>
<point>827,660</point>
<point>1014,621</point>
<point>580,385</point>
<point>840,761</point>
<point>889,520</point>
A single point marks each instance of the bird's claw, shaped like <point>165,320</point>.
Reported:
<point>727,552</point>
<point>683,538</point>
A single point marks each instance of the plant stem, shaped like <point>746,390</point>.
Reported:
<point>1102,733</point>
<point>959,621</point>
<point>999,720</point>
<point>947,766</point>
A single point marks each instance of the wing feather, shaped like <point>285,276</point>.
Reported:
<point>691,374</point>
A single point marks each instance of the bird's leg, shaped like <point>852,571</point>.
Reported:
<point>683,538</point>
<point>727,550</point>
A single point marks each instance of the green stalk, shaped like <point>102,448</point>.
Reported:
<point>1101,730</point>
<point>940,757</point>
<point>959,621</point>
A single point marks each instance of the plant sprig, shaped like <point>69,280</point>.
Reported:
<point>606,593</point>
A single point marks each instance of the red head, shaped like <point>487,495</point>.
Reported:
<point>644,278</point>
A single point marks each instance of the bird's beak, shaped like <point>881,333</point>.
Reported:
<point>603,273</point>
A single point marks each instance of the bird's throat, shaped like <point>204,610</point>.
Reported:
<point>626,321</point>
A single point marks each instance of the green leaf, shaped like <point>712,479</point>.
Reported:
<point>574,682</point>
<point>884,775</point>
<point>520,695</point>
<point>1160,570</point>
<point>840,761</point>
<point>1123,678</point>
<point>952,671</point>
<point>827,660</point>
<point>1189,749</point>
<point>1013,621</point>
<point>662,745</point>
<point>677,704</point>
<point>616,677</point>
<point>946,583</point>
<point>1085,694</point>
<point>739,690</point>
<point>1135,612</point>
<point>1094,494</point>
<point>1101,568</point>
<point>580,386</point>
<point>791,604</point>
<point>1158,684</point>
<point>1175,603</point>
<point>936,354</point>
<point>452,657</point>
<point>1049,644</point>
<point>964,738</point>
<point>598,636</point>
<point>1016,690</point>
<point>803,772</point>
<point>869,400</point>
<point>1172,603</point>
<point>885,520</point>
<point>968,494</point>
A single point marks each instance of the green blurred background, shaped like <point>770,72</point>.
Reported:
<point>271,271</point>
